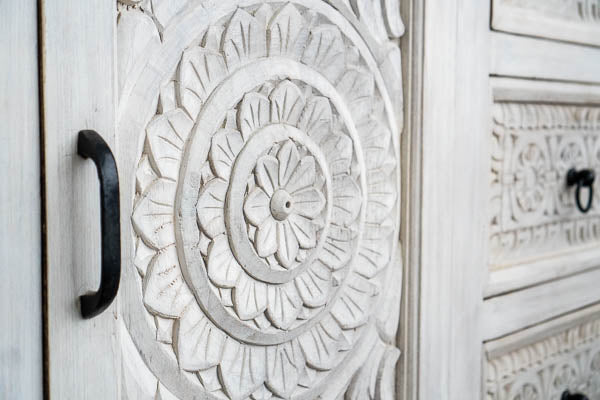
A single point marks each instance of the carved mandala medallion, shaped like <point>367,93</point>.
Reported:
<point>266,205</point>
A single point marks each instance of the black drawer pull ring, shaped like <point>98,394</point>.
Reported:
<point>573,396</point>
<point>582,178</point>
<point>91,145</point>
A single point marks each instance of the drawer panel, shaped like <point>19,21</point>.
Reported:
<point>542,362</point>
<point>541,130</point>
<point>568,20</point>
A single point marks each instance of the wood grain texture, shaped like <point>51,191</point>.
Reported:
<point>525,57</point>
<point>79,92</point>
<point>524,308</point>
<point>453,252</point>
<point>20,221</point>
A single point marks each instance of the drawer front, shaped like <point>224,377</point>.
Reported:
<point>544,361</point>
<point>540,131</point>
<point>575,21</point>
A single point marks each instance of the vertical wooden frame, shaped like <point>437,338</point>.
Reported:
<point>79,92</point>
<point>455,158</point>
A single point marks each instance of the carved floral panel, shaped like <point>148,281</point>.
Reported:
<point>264,143</point>
<point>533,211</point>
<point>545,369</point>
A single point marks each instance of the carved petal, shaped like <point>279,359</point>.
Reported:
<point>375,249</point>
<point>210,207</point>
<point>351,310</point>
<point>244,39</point>
<point>266,237</point>
<point>199,344</point>
<point>249,297</point>
<point>347,199</point>
<point>253,113</point>
<point>242,369</point>
<point>325,51</point>
<point>284,304</point>
<point>308,202</point>
<point>303,176</point>
<point>256,206</point>
<point>337,249</point>
<point>316,118</point>
<point>376,141</point>
<point>167,134</point>
<point>283,365</point>
<point>165,291</point>
<point>287,35</point>
<point>382,198</point>
<point>223,268</point>
<point>267,174</point>
<point>313,285</point>
<point>305,231</point>
<point>356,84</point>
<point>288,246</point>
<point>226,144</point>
<point>288,161</point>
<point>338,151</point>
<point>153,214</point>
<point>320,344</point>
<point>287,103</point>
<point>199,73</point>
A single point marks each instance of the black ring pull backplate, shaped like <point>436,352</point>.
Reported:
<point>573,396</point>
<point>583,178</point>
<point>91,145</point>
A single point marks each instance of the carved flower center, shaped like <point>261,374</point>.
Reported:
<point>281,204</point>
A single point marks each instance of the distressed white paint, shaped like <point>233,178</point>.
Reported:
<point>20,220</point>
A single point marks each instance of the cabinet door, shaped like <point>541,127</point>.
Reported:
<point>259,160</point>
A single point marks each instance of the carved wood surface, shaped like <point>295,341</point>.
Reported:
<point>569,20</point>
<point>264,196</point>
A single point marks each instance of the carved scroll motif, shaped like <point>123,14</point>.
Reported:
<point>266,206</point>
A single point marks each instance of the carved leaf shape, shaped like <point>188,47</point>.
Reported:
<point>226,144</point>
<point>325,51</point>
<point>244,39</point>
<point>267,174</point>
<point>303,175</point>
<point>144,175</point>
<point>210,207</point>
<point>257,206</point>
<point>337,249</point>
<point>313,285</point>
<point>284,304</point>
<point>200,72</point>
<point>308,202</point>
<point>376,142</point>
<point>283,364</point>
<point>338,151</point>
<point>320,344</point>
<point>288,158</point>
<point>153,214</point>
<point>356,84</point>
<point>199,344</point>
<point>167,134</point>
<point>304,230</point>
<point>223,268</point>
<point>347,199</point>
<point>263,14</point>
<point>266,237</point>
<point>164,10</point>
<point>371,14</point>
<point>316,118</point>
<point>288,246</point>
<point>253,113</point>
<point>287,103</point>
<point>382,198</point>
<point>242,369</point>
<point>351,310</point>
<point>249,297</point>
<point>375,249</point>
<point>165,291</point>
<point>287,35</point>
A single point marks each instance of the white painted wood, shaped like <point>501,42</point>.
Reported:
<point>569,20</point>
<point>456,113</point>
<point>524,308</point>
<point>21,363</point>
<point>79,92</point>
<point>545,360</point>
<point>525,57</point>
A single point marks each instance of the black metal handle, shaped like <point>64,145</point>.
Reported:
<point>573,396</point>
<point>90,144</point>
<point>582,178</point>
